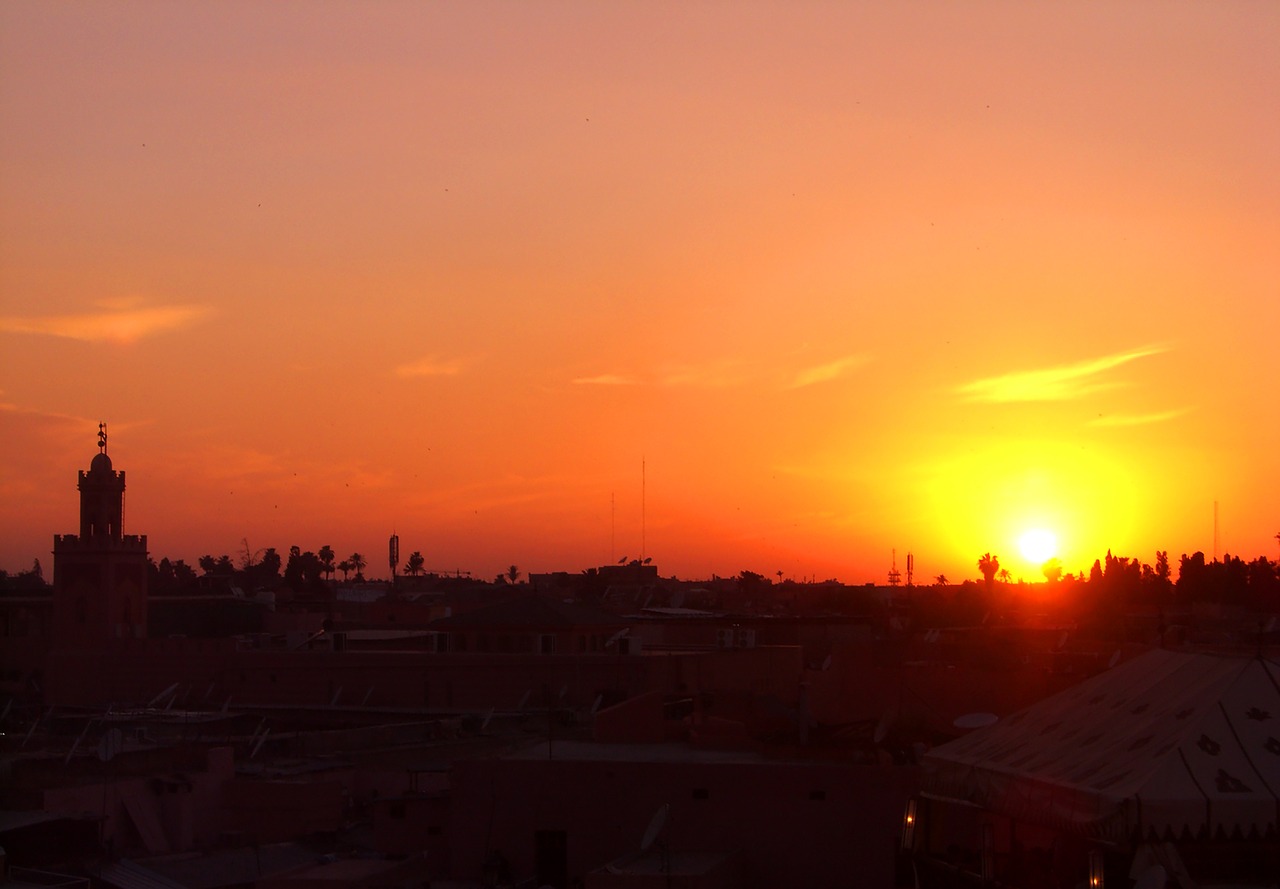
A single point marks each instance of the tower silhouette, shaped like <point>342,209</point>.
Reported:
<point>99,575</point>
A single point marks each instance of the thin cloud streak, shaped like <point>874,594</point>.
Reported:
<point>728,373</point>
<point>606,380</point>
<point>429,367</point>
<point>10,407</point>
<point>824,373</point>
<point>1063,383</point>
<point>1139,419</point>
<point>712,375</point>
<point>115,325</point>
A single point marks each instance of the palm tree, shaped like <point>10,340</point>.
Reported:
<point>513,574</point>
<point>326,558</point>
<point>345,567</point>
<point>941,580</point>
<point>1004,575</point>
<point>414,566</point>
<point>357,565</point>
<point>989,565</point>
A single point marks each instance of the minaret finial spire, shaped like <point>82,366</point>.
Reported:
<point>102,438</point>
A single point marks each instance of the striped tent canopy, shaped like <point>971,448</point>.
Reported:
<point>1167,745</point>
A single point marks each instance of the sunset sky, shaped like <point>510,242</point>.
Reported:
<point>766,286</point>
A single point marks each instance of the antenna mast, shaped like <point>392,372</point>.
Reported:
<point>895,577</point>
<point>643,515</point>
<point>1215,530</point>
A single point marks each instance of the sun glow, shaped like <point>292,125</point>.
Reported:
<point>1038,545</point>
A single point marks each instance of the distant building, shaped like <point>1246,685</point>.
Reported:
<point>100,575</point>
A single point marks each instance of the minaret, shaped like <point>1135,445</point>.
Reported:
<point>101,497</point>
<point>99,576</point>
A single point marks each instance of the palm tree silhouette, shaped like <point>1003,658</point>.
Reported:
<point>989,565</point>
<point>357,565</point>
<point>513,574</point>
<point>345,567</point>
<point>414,566</point>
<point>326,558</point>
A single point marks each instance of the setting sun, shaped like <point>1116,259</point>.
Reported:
<point>1038,545</point>
<point>519,300</point>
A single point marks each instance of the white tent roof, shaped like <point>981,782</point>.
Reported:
<point>1165,743</point>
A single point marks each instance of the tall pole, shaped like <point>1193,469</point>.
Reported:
<point>643,515</point>
<point>1215,530</point>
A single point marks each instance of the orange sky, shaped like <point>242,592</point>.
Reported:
<point>843,277</point>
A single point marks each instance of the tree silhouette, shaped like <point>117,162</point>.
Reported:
<point>1052,570</point>
<point>248,555</point>
<point>989,565</point>
<point>513,573</point>
<point>326,557</point>
<point>357,565</point>
<point>345,567</point>
<point>1004,575</point>
<point>414,566</point>
<point>941,580</point>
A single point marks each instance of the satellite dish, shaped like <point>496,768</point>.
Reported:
<point>1115,659</point>
<point>976,720</point>
<point>656,823</point>
<point>1153,877</point>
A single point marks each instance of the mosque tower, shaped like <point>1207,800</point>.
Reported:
<point>100,575</point>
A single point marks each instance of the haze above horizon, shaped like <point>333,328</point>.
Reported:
<point>843,278</point>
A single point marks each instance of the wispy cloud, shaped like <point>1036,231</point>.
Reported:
<point>118,321</point>
<point>430,367</point>
<point>1053,383</point>
<point>1138,419</point>
<point>711,375</point>
<point>823,373</point>
<point>607,380</point>
<point>726,373</point>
